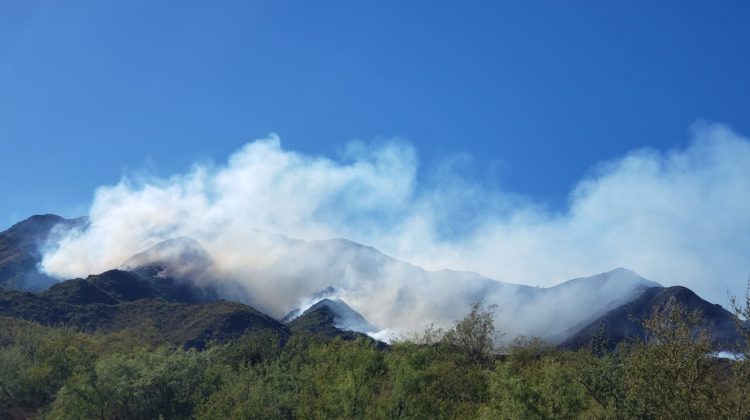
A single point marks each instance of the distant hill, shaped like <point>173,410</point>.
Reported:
<point>21,250</point>
<point>625,321</point>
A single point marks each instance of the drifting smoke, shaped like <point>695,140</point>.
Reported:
<point>677,217</point>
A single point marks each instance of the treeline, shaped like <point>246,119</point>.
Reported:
<point>459,373</point>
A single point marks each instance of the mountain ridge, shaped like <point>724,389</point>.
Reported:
<point>180,270</point>
<point>626,321</point>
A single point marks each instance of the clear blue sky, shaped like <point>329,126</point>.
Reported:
<point>91,89</point>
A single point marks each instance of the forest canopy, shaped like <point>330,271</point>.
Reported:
<point>458,373</point>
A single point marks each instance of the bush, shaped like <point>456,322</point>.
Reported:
<point>144,384</point>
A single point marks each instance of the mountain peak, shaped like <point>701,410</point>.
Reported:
<point>21,250</point>
<point>177,255</point>
<point>42,224</point>
<point>41,218</point>
<point>344,317</point>
<point>330,312</point>
<point>622,271</point>
<point>620,277</point>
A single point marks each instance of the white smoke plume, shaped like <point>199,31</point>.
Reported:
<point>676,217</point>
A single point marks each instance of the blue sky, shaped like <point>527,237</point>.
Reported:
<point>536,92</point>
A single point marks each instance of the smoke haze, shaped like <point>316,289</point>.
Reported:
<point>676,217</point>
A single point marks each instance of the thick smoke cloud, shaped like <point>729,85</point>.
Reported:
<point>676,217</point>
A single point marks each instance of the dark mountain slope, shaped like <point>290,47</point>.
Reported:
<point>328,319</point>
<point>105,304</point>
<point>79,292</point>
<point>20,250</point>
<point>625,322</point>
<point>34,307</point>
<point>116,286</point>
<point>182,268</point>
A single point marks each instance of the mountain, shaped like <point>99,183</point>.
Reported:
<point>625,321</point>
<point>117,286</point>
<point>388,292</point>
<point>558,312</point>
<point>180,256</point>
<point>329,319</point>
<point>21,250</point>
<point>341,315</point>
<point>181,315</point>
<point>392,293</point>
<point>118,300</point>
<point>184,267</point>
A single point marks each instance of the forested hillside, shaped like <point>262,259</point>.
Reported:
<point>130,374</point>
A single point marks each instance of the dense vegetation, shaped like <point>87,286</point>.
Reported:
<point>62,373</point>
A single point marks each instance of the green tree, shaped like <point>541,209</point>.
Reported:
<point>535,382</point>
<point>144,384</point>
<point>671,374</point>
<point>474,336</point>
